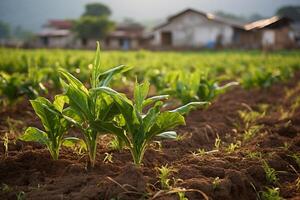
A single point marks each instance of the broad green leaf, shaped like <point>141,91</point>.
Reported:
<point>168,135</point>
<point>140,94</point>
<point>165,122</point>
<point>49,118</point>
<point>79,101</point>
<point>186,108</point>
<point>59,102</point>
<point>35,135</point>
<point>150,119</point>
<point>96,68</point>
<point>168,120</point>
<point>72,116</point>
<point>106,77</point>
<point>154,99</point>
<point>72,80</point>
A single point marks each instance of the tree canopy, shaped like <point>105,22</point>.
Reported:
<point>292,12</point>
<point>94,23</point>
<point>4,30</point>
<point>96,10</point>
<point>93,27</point>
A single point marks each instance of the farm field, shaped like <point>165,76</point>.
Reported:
<point>241,142</point>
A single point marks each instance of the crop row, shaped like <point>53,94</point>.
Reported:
<point>187,77</point>
<point>94,108</point>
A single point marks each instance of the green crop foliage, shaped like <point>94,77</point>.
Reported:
<point>17,85</point>
<point>270,194</point>
<point>53,121</point>
<point>271,174</point>
<point>89,110</point>
<point>190,86</point>
<point>137,129</point>
<point>164,176</point>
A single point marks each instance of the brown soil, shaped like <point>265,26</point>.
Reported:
<point>28,171</point>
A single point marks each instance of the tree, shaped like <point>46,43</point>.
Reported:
<point>292,12</point>
<point>93,27</point>
<point>96,10</point>
<point>230,16</point>
<point>94,23</point>
<point>4,30</point>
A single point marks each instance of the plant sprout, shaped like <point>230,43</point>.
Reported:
<point>138,128</point>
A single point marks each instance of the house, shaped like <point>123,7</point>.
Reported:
<point>270,33</point>
<point>126,36</point>
<point>56,34</point>
<point>194,29</point>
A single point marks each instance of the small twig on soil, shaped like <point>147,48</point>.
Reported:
<point>293,168</point>
<point>123,187</point>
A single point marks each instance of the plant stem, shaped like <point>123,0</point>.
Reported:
<point>92,147</point>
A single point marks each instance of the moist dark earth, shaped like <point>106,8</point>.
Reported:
<point>27,171</point>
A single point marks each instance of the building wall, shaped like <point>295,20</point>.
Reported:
<point>53,41</point>
<point>60,42</point>
<point>193,30</point>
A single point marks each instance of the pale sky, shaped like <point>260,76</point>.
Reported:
<point>32,14</point>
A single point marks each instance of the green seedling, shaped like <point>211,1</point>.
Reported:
<point>251,131</point>
<point>271,174</point>
<point>259,77</point>
<point>218,142</point>
<point>270,194</point>
<point>138,129</point>
<point>55,126</point>
<point>257,155</point>
<point>116,144</point>
<point>181,196</point>
<point>88,110</point>
<point>164,176</point>
<point>189,87</point>
<point>232,147</point>
<point>216,183</point>
<point>199,152</point>
<point>250,117</point>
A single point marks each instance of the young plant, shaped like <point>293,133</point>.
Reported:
<point>138,129</point>
<point>271,174</point>
<point>164,176</point>
<point>209,88</point>
<point>181,196</point>
<point>262,78</point>
<point>90,111</point>
<point>270,194</point>
<point>216,183</point>
<point>17,85</point>
<point>188,87</point>
<point>232,147</point>
<point>218,142</point>
<point>55,126</point>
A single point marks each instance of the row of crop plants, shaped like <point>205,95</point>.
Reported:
<point>99,109</point>
<point>33,73</point>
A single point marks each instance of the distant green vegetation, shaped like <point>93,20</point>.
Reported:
<point>249,68</point>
